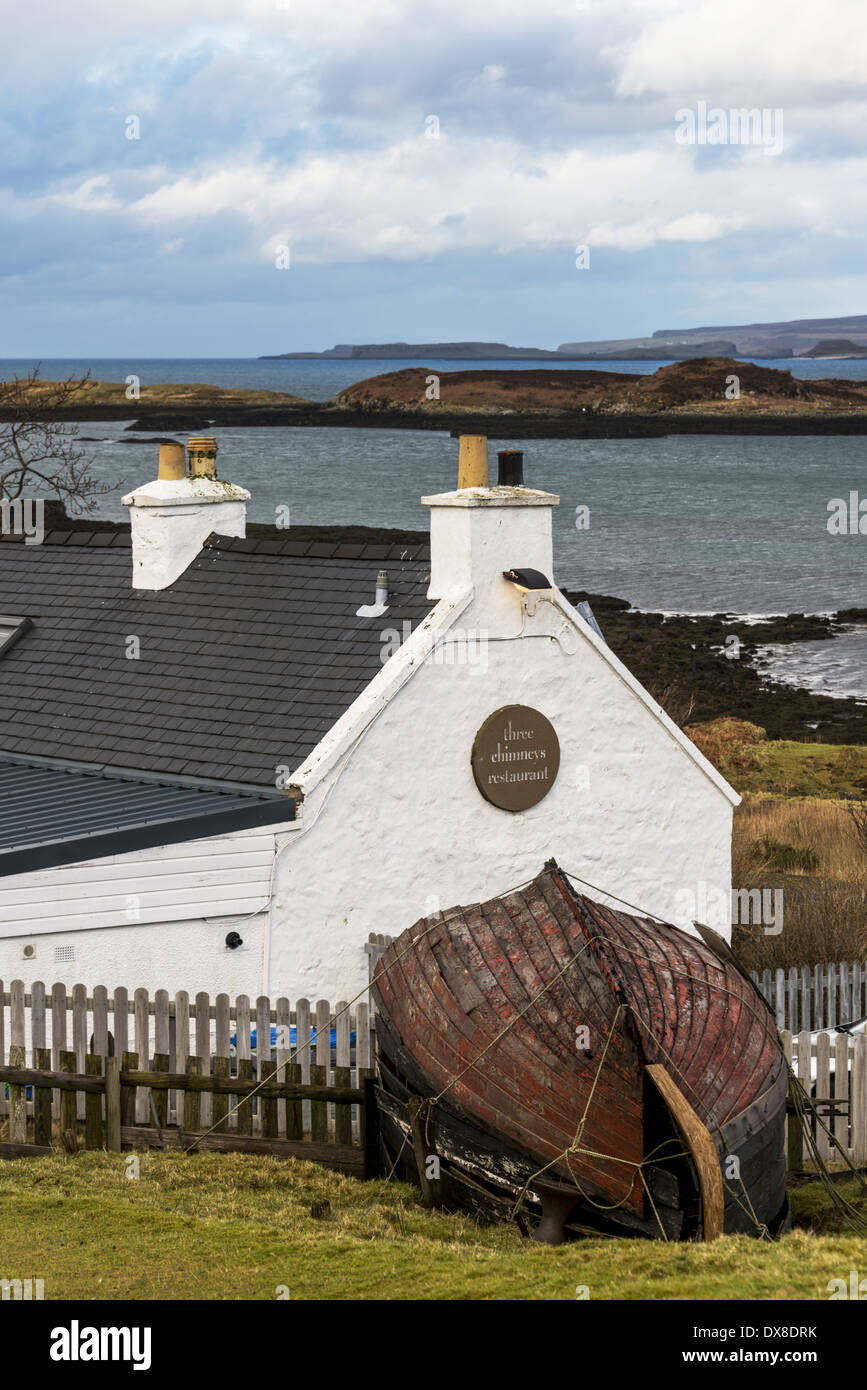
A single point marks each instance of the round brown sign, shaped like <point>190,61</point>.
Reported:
<point>516,757</point>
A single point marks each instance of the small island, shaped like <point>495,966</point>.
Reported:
<point>705,395</point>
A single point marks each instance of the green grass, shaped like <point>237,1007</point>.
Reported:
<point>782,767</point>
<point>239,1227</point>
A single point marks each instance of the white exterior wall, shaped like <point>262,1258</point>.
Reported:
<point>153,919</point>
<point>399,828</point>
<point>392,826</point>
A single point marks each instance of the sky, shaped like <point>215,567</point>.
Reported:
<point>203,178</point>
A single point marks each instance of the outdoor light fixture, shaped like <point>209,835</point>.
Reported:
<point>233,941</point>
<point>528,581</point>
<point>535,588</point>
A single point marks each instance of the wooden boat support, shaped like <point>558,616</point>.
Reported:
<point>552,1053</point>
<point>701,1148</point>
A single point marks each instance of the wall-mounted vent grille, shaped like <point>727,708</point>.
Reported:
<point>64,953</point>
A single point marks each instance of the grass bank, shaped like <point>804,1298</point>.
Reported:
<point>239,1227</point>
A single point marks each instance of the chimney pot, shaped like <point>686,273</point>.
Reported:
<point>172,462</point>
<point>172,517</point>
<point>203,456</point>
<point>510,468</point>
<point>473,461</point>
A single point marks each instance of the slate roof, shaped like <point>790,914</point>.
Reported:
<point>245,662</point>
<point>51,816</point>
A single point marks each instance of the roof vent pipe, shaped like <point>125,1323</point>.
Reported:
<point>173,463</point>
<point>510,468</point>
<point>203,456</point>
<point>380,605</point>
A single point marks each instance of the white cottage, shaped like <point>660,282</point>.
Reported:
<point>224,765</point>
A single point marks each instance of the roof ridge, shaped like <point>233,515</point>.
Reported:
<point>320,549</point>
<point>101,536</point>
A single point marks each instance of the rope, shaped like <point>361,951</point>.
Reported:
<point>804,1105</point>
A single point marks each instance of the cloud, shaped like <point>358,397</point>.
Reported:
<point>763,53</point>
<point>262,125</point>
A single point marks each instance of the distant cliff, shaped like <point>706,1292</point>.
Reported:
<point>837,347</point>
<point>792,337</point>
<point>456,352</point>
<point>500,352</point>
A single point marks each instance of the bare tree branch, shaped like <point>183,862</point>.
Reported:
<point>36,450</point>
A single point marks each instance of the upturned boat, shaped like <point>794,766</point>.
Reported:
<point>543,1055</point>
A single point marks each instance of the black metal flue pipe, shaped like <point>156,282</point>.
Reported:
<point>510,468</point>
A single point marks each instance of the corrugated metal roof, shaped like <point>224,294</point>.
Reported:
<point>53,815</point>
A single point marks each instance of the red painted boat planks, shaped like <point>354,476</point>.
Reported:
<point>484,1008</point>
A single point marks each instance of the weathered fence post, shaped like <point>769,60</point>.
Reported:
<point>121,1022</point>
<point>342,1072</point>
<point>160,1097</point>
<point>100,1021</point>
<point>858,1101</point>
<point>79,1040</point>
<point>193,1099</point>
<point>294,1121</point>
<point>318,1108</point>
<point>42,1100</point>
<point>17,1098</point>
<point>182,1045</point>
<point>127,1092</point>
<point>369,1124</point>
<point>303,1054</point>
<point>112,1104</point>
<point>267,1069</point>
<point>220,1119</point>
<point>203,1052</point>
<point>68,1099</point>
<point>323,1052</point>
<point>283,1056</point>
<point>58,1033</point>
<point>93,1106</point>
<point>142,1047</point>
<point>244,1113</point>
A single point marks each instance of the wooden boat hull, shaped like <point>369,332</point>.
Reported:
<point>531,1021</point>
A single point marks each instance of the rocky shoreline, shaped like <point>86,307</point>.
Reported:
<point>683,661</point>
<point>493,425</point>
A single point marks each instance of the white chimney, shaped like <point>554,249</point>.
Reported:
<point>172,517</point>
<point>477,533</point>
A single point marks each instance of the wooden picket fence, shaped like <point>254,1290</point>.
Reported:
<point>130,1072</point>
<point>815,996</point>
<point>832,1068</point>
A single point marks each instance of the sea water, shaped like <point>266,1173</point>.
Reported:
<point>685,523</point>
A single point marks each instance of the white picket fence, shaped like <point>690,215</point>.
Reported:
<point>815,996</point>
<point>103,1024</point>
<point>832,1069</point>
